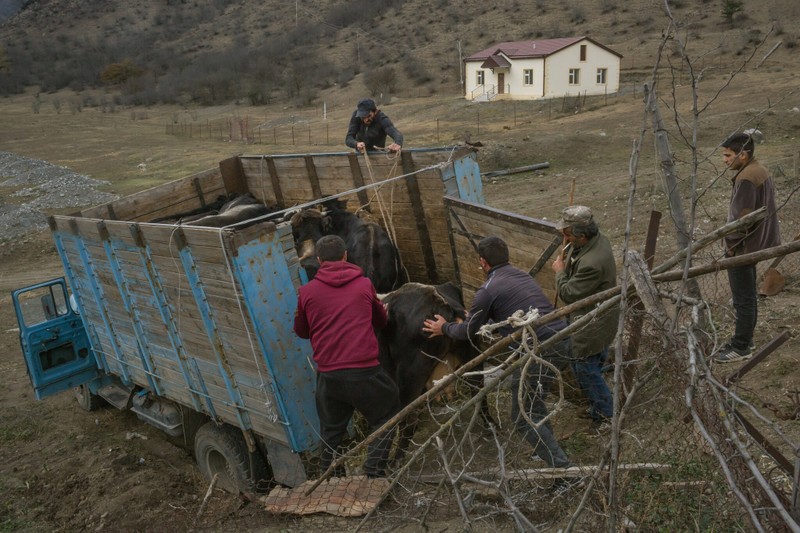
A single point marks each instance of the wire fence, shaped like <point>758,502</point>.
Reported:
<point>694,446</point>
<point>317,130</point>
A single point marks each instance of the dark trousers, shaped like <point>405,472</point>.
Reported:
<point>745,303</point>
<point>588,374</point>
<point>538,381</point>
<point>370,391</point>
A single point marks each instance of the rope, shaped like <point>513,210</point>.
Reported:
<point>349,192</point>
<point>528,346</point>
<point>388,222</point>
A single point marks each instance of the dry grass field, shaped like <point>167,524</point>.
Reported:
<point>64,469</point>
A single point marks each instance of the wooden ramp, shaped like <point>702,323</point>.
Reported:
<point>345,496</point>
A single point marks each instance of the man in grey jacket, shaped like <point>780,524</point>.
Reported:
<point>586,267</point>
<point>506,290</point>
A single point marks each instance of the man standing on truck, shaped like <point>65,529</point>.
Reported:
<point>369,127</point>
<point>337,311</point>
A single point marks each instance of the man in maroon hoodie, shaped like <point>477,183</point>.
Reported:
<point>338,310</point>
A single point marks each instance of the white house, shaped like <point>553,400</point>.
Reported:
<point>548,68</point>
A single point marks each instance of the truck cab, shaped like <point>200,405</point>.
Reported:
<point>57,351</point>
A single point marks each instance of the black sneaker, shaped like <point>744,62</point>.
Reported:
<point>601,426</point>
<point>729,354</point>
<point>564,485</point>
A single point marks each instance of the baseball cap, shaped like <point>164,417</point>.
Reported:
<point>575,215</point>
<point>365,106</point>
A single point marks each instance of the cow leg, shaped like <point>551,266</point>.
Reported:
<point>411,383</point>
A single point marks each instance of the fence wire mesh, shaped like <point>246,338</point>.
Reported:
<point>687,450</point>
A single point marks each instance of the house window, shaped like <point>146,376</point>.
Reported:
<point>480,79</point>
<point>527,76</point>
<point>601,76</point>
<point>574,76</point>
<point>583,52</point>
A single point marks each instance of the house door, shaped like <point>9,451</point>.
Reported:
<point>501,83</point>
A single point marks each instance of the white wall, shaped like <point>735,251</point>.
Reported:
<point>472,90</point>
<point>515,79</point>
<point>559,64</point>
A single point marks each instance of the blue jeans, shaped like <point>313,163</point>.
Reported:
<point>745,303</point>
<point>590,379</point>
<point>538,381</point>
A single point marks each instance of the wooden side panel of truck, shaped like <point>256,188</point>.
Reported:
<point>202,317</point>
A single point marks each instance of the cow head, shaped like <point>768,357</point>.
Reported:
<point>307,229</point>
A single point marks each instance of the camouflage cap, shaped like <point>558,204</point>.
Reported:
<point>575,215</point>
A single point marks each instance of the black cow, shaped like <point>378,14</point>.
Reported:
<point>411,356</point>
<point>241,208</point>
<point>368,245</point>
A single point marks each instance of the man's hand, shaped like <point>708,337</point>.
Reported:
<point>558,264</point>
<point>361,147</point>
<point>394,147</point>
<point>434,327</point>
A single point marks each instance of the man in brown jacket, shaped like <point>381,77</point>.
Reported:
<point>588,267</point>
<point>752,190</point>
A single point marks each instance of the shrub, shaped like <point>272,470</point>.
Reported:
<point>730,8</point>
<point>119,73</point>
<point>381,80</point>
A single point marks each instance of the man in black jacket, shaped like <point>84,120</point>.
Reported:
<point>369,127</point>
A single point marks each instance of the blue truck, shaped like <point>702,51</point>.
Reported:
<point>190,327</point>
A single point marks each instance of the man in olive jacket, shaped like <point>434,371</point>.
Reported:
<point>586,267</point>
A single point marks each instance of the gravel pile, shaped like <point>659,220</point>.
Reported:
<point>41,187</point>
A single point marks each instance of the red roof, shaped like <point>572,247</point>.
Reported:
<point>527,49</point>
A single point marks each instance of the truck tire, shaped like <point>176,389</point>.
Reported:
<point>222,450</point>
<point>86,400</point>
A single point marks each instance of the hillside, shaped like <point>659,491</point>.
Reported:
<point>215,51</point>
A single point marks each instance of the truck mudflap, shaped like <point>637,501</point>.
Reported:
<point>53,339</point>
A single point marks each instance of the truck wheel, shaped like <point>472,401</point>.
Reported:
<point>86,400</point>
<point>222,450</point>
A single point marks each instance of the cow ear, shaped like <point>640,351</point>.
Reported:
<point>326,225</point>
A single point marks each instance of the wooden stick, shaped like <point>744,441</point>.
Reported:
<point>769,53</point>
<point>549,473</point>
<point>564,242</point>
<point>777,260</point>
<point>207,496</point>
